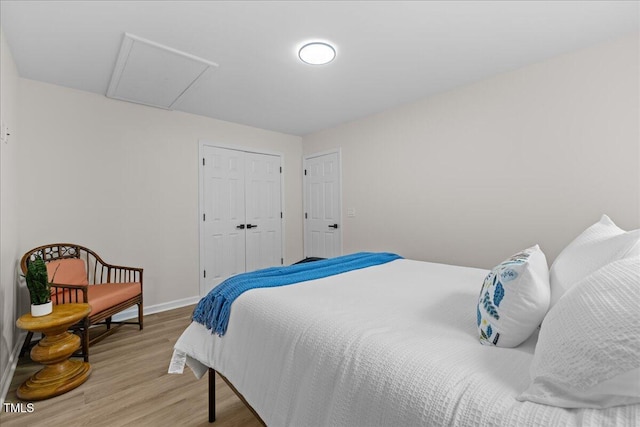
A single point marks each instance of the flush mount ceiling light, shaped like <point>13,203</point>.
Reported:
<point>317,53</point>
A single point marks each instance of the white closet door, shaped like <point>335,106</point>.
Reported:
<point>241,213</point>
<point>264,222</point>
<point>224,214</point>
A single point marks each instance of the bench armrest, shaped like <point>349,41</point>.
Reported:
<point>64,293</point>
<point>122,274</point>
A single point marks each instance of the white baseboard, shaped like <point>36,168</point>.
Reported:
<point>7,375</point>
<point>132,312</point>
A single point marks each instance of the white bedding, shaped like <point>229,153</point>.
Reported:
<point>390,345</point>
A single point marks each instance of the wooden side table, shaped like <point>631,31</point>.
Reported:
<point>59,374</point>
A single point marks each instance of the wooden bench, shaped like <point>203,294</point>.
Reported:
<point>81,276</point>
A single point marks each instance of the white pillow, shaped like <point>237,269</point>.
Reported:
<point>588,350</point>
<point>514,299</point>
<point>597,246</point>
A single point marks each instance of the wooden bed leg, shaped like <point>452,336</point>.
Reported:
<point>212,395</point>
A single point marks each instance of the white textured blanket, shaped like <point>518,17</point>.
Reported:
<point>390,345</point>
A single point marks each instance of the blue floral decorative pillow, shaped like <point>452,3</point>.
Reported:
<point>514,299</point>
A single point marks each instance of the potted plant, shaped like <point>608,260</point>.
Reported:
<point>39,287</point>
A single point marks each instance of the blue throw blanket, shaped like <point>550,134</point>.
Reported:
<point>213,310</point>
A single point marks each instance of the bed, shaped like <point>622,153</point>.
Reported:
<point>394,344</point>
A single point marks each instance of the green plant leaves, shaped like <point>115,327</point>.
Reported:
<point>38,282</point>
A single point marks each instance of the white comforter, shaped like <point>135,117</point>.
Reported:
<point>390,345</point>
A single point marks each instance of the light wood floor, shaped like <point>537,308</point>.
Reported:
<point>129,385</point>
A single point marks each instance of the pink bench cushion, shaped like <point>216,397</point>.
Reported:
<point>103,296</point>
<point>71,271</point>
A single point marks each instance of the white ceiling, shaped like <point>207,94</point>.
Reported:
<point>388,53</point>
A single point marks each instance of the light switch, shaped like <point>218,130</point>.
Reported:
<point>351,212</point>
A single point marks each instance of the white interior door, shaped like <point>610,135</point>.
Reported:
<point>224,214</point>
<point>263,211</point>
<point>323,223</point>
<point>241,211</point>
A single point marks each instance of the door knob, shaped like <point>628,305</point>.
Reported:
<point>240,227</point>
<point>252,226</point>
<point>333,226</point>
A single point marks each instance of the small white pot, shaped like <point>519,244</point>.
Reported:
<point>41,309</point>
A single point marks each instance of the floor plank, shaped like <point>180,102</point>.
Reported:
<point>129,385</point>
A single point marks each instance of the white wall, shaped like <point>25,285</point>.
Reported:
<point>9,236</point>
<point>472,175</point>
<point>122,179</point>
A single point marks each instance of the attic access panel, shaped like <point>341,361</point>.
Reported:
<point>151,74</point>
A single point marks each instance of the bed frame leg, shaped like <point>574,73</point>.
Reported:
<point>212,395</point>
